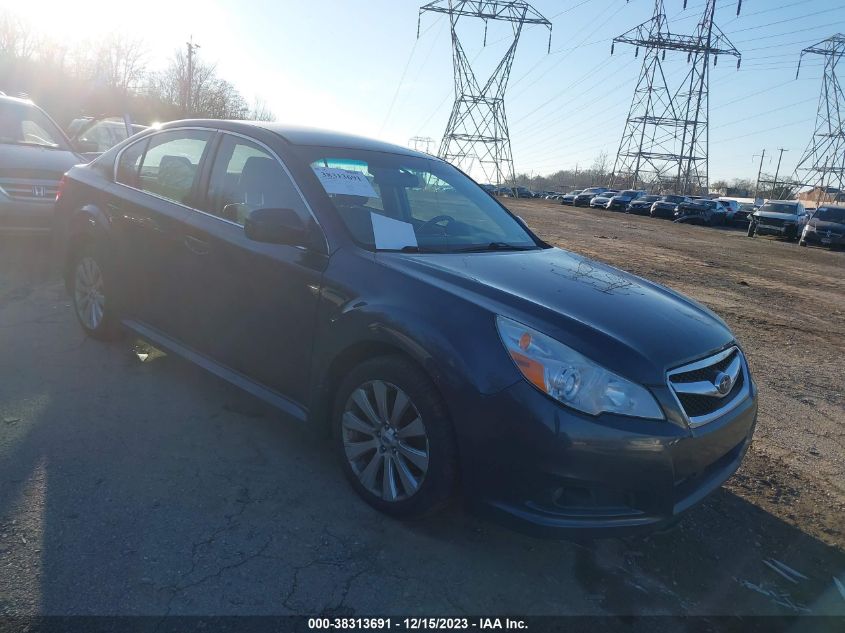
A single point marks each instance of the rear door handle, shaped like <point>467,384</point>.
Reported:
<point>197,246</point>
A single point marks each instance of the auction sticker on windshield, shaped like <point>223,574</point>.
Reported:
<point>345,182</point>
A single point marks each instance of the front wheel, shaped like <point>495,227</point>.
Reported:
<point>91,293</point>
<point>394,438</point>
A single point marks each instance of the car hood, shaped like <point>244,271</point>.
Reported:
<point>22,158</point>
<point>634,327</point>
<point>775,216</point>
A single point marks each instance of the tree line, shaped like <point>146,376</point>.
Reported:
<point>110,76</point>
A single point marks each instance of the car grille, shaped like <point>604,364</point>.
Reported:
<point>30,189</point>
<point>694,386</point>
<point>771,221</point>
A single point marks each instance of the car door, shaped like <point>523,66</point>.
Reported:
<point>253,305</point>
<point>156,183</point>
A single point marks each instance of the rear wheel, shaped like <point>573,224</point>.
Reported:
<point>394,438</point>
<point>91,288</point>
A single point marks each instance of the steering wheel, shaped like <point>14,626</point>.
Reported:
<point>425,226</point>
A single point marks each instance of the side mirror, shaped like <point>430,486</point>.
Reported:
<point>276,226</point>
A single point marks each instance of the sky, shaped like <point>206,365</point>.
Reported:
<point>358,66</point>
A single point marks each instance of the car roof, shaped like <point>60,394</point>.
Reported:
<point>296,135</point>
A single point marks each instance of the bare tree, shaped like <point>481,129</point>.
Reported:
<point>17,41</point>
<point>261,111</point>
<point>119,62</point>
<point>210,96</point>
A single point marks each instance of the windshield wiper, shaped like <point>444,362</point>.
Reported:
<point>494,246</point>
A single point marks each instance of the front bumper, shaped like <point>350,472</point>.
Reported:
<point>618,205</point>
<point>823,239</point>
<point>639,210</point>
<point>19,216</point>
<point>545,469</point>
<point>787,230</point>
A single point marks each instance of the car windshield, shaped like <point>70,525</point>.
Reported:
<point>628,193</point>
<point>675,199</point>
<point>395,202</point>
<point>24,124</point>
<point>780,207</point>
<point>574,193</point>
<point>829,214</point>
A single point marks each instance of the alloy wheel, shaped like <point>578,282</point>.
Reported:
<point>89,297</point>
<point>385,440</point>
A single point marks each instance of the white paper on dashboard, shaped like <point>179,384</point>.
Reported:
<point>345,182</point>
<point>392,234</point>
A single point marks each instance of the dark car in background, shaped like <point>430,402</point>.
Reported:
<point>641,205</point>
<point>826,227</point>
<point>583,198</point>
<point>600,200</point>
<point>665,206</point>
<point>622,199</point>
<point>439,339</point>
<point>34,153</point>
<point>743,213</point>
<point>781,218</point>
<point>569,198</point>
<point>702,211</point>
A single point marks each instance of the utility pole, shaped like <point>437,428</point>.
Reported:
<point>777,171</point>
<point>759,171</point>
<point>477,131</point>
<point>823,162</point>
<point>191,52</point>
<point>666,138</point>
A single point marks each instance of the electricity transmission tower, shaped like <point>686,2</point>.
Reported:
<point>421,143</point>
<point>477,132</point>
<point>665,141</point>
<point>823,163</point>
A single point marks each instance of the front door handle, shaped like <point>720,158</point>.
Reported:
<point>197,246</point>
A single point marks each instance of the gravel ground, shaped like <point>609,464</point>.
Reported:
<point>130,487</point>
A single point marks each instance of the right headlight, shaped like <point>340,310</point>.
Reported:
<point>571,378</point>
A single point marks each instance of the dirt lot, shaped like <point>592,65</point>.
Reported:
<point>131,487</point>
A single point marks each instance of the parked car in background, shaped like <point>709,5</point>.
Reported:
<point>744,212</point>
<point>34,154</point>
<point>782,218</point>
<point>583,198</point>
<point>826,227</point>
<point>622,199</point>
<point>732,206</point>
<point>323,273</point>
<point>491,189</point>
<point>91,136</point>
<point>600,201</point>
<point>569,198</point>
<point>522,192</point>
<point>702,211</point>
<point>641,205</point>
<point>665,206</point>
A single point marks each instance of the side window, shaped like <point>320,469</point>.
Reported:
<point>246,177</point>
<point>170,165</point>
<point>130,161</point>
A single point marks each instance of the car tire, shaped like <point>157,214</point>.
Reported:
<point>92,287</point>
<point>407,467</point>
